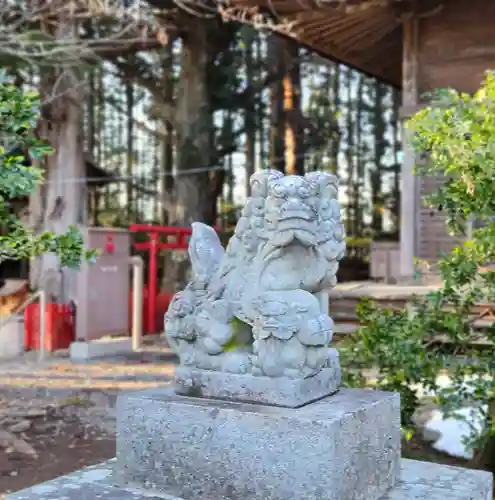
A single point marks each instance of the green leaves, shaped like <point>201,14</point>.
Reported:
<point>457,131</point>
<point>18,117</point>
<point>457,135</point>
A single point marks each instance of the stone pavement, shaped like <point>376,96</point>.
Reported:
<point>419,481</point>
<point>379,291</point>
<point>28,387</point>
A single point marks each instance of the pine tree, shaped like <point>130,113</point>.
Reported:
<point>294,131</point>
<point>379,148</point>
<point>396,166</point>
<point>277,121</point>
<point>349,219</point>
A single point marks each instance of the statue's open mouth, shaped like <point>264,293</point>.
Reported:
<point>286,234</point>
<point>271,325</point>
<point>301,214</point>
<point>296,222</point>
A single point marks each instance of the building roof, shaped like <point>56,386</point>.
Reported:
<point>363,34</point>
<point>96,175</point>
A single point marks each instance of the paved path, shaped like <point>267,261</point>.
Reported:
<point>91,388</point>
<point>356,289</point>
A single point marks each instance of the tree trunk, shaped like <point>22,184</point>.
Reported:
<point>294,132</point>
<point>261,110</point>
<point>277,119</point>
<point>229,160</point>
<point>167,143</point>
<point>129,92</point>
<point>91,146</point>
<point>396,144</point>
<point>349,154</point>
<point>379,129</point>
<point>249,111</point>
<point>60,203</point>
<point>193,121</point>
<point>359,160</point>
<point>335,107</point>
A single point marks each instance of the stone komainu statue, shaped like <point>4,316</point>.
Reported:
<point>252,308</point>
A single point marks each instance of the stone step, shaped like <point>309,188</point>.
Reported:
<point>419,480</point>
<point>342,447</point>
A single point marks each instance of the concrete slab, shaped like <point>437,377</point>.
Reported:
<point>91,483</point>
<point>380,291</point>
<point>419,481</point>
<point>343,447</point>
<point>12,337</point>
<point>94,349</point>
<point>430,481</point>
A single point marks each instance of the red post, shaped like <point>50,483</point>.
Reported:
<point>179,236</point>
<point>152,285</point>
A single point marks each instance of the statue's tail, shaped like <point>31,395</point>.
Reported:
<point>205,251</point>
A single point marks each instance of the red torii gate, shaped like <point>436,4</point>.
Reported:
<point>180,240</point>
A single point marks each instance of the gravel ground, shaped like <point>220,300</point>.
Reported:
<point>58,416</point>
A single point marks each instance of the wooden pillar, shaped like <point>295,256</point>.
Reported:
<point>410,182</point>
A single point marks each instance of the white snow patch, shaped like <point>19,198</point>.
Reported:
<point>43,489</point>
<point>453,431</point>
<point>91,476</point>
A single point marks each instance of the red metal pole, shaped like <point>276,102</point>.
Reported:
<point>146,228</point>
<point>152,288</point>
<point>153,245</point>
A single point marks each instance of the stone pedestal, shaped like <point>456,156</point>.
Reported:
<point>419,481</point>
<point>285,392</point>
<point>343,447</point>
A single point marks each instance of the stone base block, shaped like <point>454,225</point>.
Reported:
<point>419,481</point>
<point>94,349</point>
<point>91,483</point>
<point>282,391</point>
<point>343,447</point>
<point>12,338</point>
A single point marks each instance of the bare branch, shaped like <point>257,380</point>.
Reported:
<point>161,107</point>
<point>27,30</point>
<point>139,124</point>
<point>254,17</point>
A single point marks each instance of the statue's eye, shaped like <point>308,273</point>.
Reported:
<point>255,185</point>
<point>303,192</point>
<point>277,190</point>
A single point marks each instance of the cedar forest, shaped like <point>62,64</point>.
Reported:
<point>269,104</point>
<point>187,107</point>
<point>180,108</point>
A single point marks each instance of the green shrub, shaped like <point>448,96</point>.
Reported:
<point>457,135</point>
<point>18,117</point>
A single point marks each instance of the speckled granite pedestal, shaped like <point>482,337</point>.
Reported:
<point>419,481</point>
<point>291,393</point>
<point>343,447</point>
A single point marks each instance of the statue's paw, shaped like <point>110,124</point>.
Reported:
<point>317,358</point>
<point>236,362</point>
<point>293,373</point>
<point>221,334</point>
<point>317,331</point>
<point>271,368</point>
<point>204,361</point>
<point>256,371</point>
<point>209,346</point>
<point>187,354</point>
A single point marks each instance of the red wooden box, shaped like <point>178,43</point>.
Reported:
<point>59,327</point>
